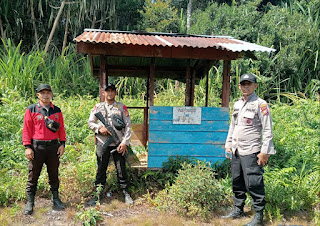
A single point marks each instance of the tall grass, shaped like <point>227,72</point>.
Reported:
<point>68,74</point>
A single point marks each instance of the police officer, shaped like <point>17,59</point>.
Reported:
<point>44,139</point>
<point>250,141</point>
<point>113,112</point>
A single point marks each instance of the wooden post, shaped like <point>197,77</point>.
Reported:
<point>145,126</point>
<point>103,77</point>
<point>207,89</point>
<point>151,80</point>
<point>146,115</point>
<point>188,84</point>
<point>193,83</point>
<point>226,83</point>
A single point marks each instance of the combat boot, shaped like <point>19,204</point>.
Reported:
<point>257,220</point>
<point>29,206</point>
<point>127,198</point>
<point>235,213</point>
<point>97,197</point>
<point>57,204</point>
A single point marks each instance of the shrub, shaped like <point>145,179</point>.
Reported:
<point>291,191</point>
<point>195,193</point>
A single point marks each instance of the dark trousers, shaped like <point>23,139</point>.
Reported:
<point>247,175</point>
<point>103,156</point>
<point>43,153</point>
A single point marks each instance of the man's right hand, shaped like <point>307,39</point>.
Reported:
<point>103,131</point>
<point>29,153</point>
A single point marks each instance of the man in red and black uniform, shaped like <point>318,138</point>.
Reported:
<point>44,138</point>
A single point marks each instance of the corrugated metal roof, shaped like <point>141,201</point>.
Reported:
<point>168,40</point>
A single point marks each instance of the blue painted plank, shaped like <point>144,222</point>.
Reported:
<point>205,126</point>
<point>156,161</point>
<point>187,137</point>
<point>207,113</point>
<point>210,150</point>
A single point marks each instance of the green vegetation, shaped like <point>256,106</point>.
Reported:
<point>291,177</point>
<point>195,192</point>
<point>89,216</point>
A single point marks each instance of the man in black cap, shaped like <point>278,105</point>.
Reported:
<point>112,140</point>
<point>250,142</point>
<point>44,138</point>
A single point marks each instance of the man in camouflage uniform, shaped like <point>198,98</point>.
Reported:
<point>111,110</point>
<point>250,141</point>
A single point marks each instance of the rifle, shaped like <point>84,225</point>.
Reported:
<point>114,137</point>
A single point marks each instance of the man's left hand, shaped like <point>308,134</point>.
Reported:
<point>262,159</point>
<point>122,148</point>
<point>60,151</point>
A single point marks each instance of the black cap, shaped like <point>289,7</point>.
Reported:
<point>109,85</point>
<point>248,77</point>
<point>43,86</point>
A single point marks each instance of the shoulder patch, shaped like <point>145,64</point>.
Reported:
<point>94,108</point>
<point>264,109</point>
<point>126,110</point>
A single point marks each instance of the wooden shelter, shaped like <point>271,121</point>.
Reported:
<point>186,58</point>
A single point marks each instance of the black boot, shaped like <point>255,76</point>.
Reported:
<point>29,206</point>
<point>98,196</point>
<point>236,213</point>
<point>127,198</point>
<point>257,220</point>
<point>57,204</point>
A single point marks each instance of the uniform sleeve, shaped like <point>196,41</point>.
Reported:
<point>62,130</point>
<point>127,129</point>
<point>266,122</point>
<point>230,132</point>
<point>27,131</point>
<point>92,122</point>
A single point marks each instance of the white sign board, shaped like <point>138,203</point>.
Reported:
<point>187,115</point>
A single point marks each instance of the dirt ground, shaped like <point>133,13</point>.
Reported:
<point>116,212</point>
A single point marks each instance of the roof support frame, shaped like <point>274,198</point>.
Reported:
<point>113,49</point>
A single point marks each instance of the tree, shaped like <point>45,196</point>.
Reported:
<point>159,17</point>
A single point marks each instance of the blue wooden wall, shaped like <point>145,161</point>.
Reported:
<point>204,142</point>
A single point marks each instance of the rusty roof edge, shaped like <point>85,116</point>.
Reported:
<point>157,33</point>
<point>252,46</point>
<point>236,45</point>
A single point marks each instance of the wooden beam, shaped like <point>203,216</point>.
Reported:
<point>126,68</point>
<point>151,80</point>
<point>103,77</point>
<point>188,85</point>
<point>112,49</point>
<point>226,83</point>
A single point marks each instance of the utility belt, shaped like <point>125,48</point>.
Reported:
<point>45,142</point>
